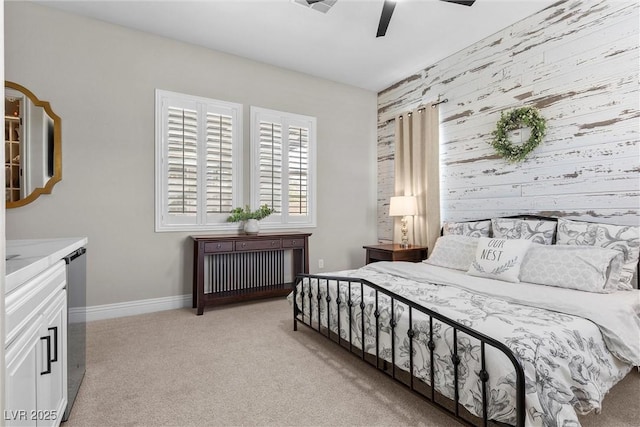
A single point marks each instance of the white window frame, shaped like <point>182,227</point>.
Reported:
<point>284,220</point>
<point>164,221</point>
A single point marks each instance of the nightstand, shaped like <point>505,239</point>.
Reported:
<point>395,252</point>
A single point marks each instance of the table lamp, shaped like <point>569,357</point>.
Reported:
<point>403,206</point>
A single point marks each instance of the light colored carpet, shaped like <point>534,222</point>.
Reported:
<point>244,365</point>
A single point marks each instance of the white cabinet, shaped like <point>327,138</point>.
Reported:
<point>52,387</point>
<point>36,382</point>
<point>22,376</point>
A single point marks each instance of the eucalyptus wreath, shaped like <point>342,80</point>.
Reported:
<point>516,119</point>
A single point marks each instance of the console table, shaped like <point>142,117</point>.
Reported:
<point>234,268</point>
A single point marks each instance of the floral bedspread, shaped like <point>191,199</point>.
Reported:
<point>568,368</point>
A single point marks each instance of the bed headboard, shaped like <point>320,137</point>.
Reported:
<point>635,280</point>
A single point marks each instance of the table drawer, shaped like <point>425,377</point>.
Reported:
<point>292,243</point>
<point>218,247</point>
<point>256,245</point>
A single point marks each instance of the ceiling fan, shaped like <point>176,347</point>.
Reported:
<point>387,11</point>
<point>389,5</point>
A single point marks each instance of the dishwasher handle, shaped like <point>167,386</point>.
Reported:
<point>74,255</point>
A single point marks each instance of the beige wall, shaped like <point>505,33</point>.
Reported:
<point>100,79</point>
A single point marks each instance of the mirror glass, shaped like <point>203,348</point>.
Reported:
<point>32,147</point>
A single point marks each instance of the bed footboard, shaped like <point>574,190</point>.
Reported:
<point>314,296</point>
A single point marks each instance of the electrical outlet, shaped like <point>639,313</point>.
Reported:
<point>320,263</point>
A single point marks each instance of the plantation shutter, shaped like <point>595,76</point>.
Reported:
<point>284,167</point>
<point>298,170</point>
<point>199,162</point>
<point>182,159</point>
<point>270,174</point>
<point>219,186</point>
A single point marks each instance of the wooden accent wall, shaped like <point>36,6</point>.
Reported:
<point>578,62</point>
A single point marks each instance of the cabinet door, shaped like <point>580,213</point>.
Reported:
<point>23,374</point>
<point>52,386</point>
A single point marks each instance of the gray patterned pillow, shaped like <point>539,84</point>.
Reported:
<point>473,228</point>
<point>453,251</point>
<point>623,238</point>
<point>499,258</point>
<point>535,230</point>
<point>538,231</point>
<point>585,268</point>
<point>505,228</point>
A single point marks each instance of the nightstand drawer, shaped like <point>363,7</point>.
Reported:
<point>395,252</point>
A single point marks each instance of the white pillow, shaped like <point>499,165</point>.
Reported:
<point>585,268</point>
<point>499,258</point>
<point>453,251</point>
<point>473,228</point>
<point>535,230</point>
<point>625,239</point>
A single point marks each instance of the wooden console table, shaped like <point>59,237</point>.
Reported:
<point>234,268</point>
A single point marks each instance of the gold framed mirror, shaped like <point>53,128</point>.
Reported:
<point>32,148</point>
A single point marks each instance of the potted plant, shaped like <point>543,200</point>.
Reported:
<point>249,217</point>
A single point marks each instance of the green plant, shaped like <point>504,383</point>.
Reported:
<point>243,214</point>
<point>515,119</point>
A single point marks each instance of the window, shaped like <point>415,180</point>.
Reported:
<point>198,162</point>
<point>283,173</point>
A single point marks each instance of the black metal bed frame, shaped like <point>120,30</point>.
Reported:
<point>483,375</point>
<point>431,396</point>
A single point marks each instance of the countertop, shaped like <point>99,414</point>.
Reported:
<point>27,258</point>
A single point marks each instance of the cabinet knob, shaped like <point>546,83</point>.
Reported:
<point>219,245</point>
<point>273,243</point>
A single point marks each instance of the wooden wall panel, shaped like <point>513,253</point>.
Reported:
<point>578,62</point>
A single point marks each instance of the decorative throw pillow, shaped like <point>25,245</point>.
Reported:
<point>473,228</point>
<point>499,258</point>
<point>623,238</point>
<point>538,231</point>
<point>506,228</point>
<point>585,268</point>
<point>535,230</point>
<point>453,251</point>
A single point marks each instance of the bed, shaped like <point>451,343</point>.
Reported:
<point>534,347</point>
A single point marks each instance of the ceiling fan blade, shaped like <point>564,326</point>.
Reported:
<point>387,11</point>
<point>461,2</point>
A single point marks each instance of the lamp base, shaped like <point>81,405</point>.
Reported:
<point>405,239</point>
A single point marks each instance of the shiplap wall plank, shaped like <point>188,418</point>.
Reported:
<point>578,62</point>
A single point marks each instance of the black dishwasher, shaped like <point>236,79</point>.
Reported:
<point>76,323</point>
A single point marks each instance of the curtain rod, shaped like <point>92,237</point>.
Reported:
<point>422,107</point>
<point>438,102</point>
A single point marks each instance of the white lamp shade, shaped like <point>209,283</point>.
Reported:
<point>403,206</point>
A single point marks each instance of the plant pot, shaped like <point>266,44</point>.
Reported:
<point>251,226</point>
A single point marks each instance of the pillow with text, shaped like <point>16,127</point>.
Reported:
<point>499,258</point>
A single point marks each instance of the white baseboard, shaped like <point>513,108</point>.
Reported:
<point>131,308</point>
